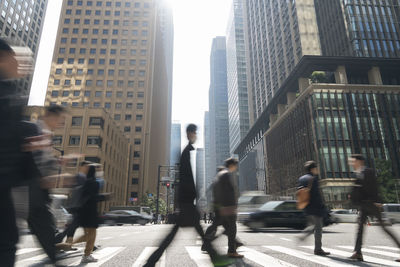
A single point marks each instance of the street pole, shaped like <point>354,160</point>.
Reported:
<point>168,199</point>
<point>59,166</point>
<point>158,190</point>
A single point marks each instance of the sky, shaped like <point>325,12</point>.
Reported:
<point>196,23</point>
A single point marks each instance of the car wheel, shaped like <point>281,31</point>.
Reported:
<point>119,224</point>
<point>109,222</point>
<point>255,226</point>
<point>142,222</point>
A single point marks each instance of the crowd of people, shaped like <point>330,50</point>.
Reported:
<point>27,160</point>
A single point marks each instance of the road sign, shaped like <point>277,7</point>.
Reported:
<point>165,179</point>
<point>150,195</point>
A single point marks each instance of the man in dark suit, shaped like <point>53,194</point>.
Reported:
<point>225,202</point>
<point>189,216</point>
<point>365,195</point>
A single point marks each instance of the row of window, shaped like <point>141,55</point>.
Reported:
<point>106,31</point>
<point>107,105</point>
<point>106,13</point>
<point>108,3</point>
<point>103,51</point>
<point>109,83</point>
<point>75,140</point>
<point>100,72</point>
<point>103,41</point>
<point>102,61</point>
<point>87,93</point>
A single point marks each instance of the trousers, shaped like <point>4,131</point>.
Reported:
<point>89,237</point>
<point>229,224</point>
<point>8,229</point>
<point>315,226</point>
<point>370,209</point>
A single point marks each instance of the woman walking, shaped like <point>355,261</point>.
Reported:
<point>88,215</point>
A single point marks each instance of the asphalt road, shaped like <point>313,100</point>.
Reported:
<point>129,246</point>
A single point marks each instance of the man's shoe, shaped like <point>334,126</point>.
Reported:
<point>357,257</point>
<point>235,255</point>
<point>222,261</point>
<point>88,259</point>
<point>203,248</point>
<point>321,253</point>
<point>398,260</point>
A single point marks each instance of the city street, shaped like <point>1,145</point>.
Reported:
<point>121,246</point>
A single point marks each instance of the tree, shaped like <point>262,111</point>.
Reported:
<point>318,77</point>
<point>151,203</point>
<point>386,181</point>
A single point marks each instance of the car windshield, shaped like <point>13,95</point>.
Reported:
<point>271,205</point>
<point>244,200</point>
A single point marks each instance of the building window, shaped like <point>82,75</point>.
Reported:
<point>117,117</point>
<point>127,129</point>
<point>94,140</point>
<point>119,94</point>
<point>139,117</point>
<point>65,93</point>
<point>118,105</point>
<point>137,141</point>
<point>75,104</point>
<point>77,92</point>
<point>128,117</point>
<point>135,181</point>
<point>54,93</point>
<point>139,106</point>
<point>98,93</point>
<point>134,194</point>
<point>96,121</point>
<point>87,93</point>
<point>135,167</point>
<point>78,82</point>
<point>107,105</point>
<point>109,94</point>
<point>74,140</point>
<point>76,121</point>
<point>96,104</point>
<point>136,154</point>
<point>129,94</point>
<point>57,140</point>
<point>138,129</point>
<point>140,94</point>
<point>129,105</point>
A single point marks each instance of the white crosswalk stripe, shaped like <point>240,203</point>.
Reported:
<point>309,257</point>
<point>201,259</point>
<point>387,248</point>
<point>373,251</point>
<point>103,255</point>
<point>369,259</point>
<point>262,258</point>
<point>22,251</point>
<point>339,258</point>
<point>147,251</point>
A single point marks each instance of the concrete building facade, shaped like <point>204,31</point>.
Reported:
<point>112,55</point>
<point>92,134</point>
<point>21,22</point>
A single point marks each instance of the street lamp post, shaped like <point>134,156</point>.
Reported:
<point>59,166</point>
<point>169,169</point>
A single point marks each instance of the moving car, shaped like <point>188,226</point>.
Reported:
<point>391,212</point>
<point>344,216</point>
<point>120,217</point>
<point>250,201</point>
<point>277,214</point>
<point>61,215</point>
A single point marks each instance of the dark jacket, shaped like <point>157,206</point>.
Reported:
<point>88,215</point>
<point>369,186</point>
<point>187,189</point>
<point>316,205</point>
<point>224,191</point>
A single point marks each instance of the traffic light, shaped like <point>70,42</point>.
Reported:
<point>168,184</point>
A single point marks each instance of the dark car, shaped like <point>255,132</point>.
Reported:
<point>120,217</point>
<point>277,214</point>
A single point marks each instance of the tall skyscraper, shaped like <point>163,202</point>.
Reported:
<point>209,174</point>
<point>278,34</point>
<point>22,22</point>
<point>359,28</point>
<point>175,144</point>
<point>112,55</point>
<point>218,105</point>
<point>238,102</point>
<point>200,178</point>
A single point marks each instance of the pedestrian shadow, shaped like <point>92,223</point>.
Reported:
<point>241,263</point>
<point>354,263</point>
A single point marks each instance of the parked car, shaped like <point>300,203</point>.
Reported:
<point>120,217</point>
<point>391,212</point>
<point>277,214</point>
<point>344,216</point>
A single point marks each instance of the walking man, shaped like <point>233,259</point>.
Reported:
<point>225,207</point>
<point>365,195</point>
<point>315,210</point>
<point>189,216</point>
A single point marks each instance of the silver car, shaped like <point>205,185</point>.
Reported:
<point>344,216</point>
<point>391,212</point>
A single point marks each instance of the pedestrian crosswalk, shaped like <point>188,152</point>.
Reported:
<point>268,255</point>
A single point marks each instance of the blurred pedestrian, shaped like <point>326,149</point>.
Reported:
<point>315,209</point>
<point>40,218</point>
<point>88,215</point>
<point>225,208</point>
<point>188,216</point>
<point>73,205</point>
<point>205,217</point>
<point>13,161</point>
<point>365,196</point>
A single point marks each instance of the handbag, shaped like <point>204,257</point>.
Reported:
<point>303,195</point>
